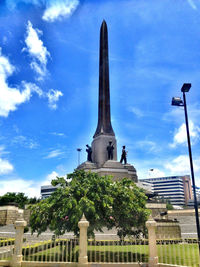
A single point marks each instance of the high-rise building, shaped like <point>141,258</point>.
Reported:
<point>47,190</point>
<point>176,189</point>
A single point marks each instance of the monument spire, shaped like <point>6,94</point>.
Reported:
<point>104,122</point>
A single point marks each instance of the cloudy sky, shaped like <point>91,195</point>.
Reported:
<point>49,85</point>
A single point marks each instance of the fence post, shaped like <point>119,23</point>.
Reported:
<point>83,225</point>
<point>153,255</point>
<point>20,223</point>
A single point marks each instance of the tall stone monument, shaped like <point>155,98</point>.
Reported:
<point>104,144</point>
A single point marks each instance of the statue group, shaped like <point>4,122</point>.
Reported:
<point>110,149</point>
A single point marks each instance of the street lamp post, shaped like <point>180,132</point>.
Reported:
<point>177,101</point>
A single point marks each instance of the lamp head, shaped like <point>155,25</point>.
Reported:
<point>186,87</point>
<point>177,101</point>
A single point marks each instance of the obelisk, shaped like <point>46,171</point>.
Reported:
<point>104,132</point>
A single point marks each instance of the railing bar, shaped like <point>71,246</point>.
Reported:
<point>66,250</point>
<point>123,257</point>
<point>93,249</point>
<point>4,244</point>
<point>110,250</point>
<point>193,250</point>
<point>72,244</point>
<point>61,250</point>
<point>181,244</point>
<point>184,253</point>
<point>136,250</point>
<point>46,251</point>
<point>69,244</point>
<point>104,251</point>
<point>188,254</point>
<point>126,244</point>
<point>130,249</point>
<point>91,241</point>
<point>175,252</point>
<point>33,253</point>
<point>28,251</point>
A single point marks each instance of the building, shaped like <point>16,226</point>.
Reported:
<point>191,202</point>
<point>176,189</point>
<point>47,190</point>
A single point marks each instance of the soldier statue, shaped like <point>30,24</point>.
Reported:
<point>89,151</point>
<point>123,156</point>
<point>110,149</point>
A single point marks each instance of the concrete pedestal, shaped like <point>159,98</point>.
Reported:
<point>111,167</point>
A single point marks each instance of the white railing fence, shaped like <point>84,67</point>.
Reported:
<point>183,252</point>
<point>114,251</point>
<point>60,250</point>
<point>83,252</point>
<point>6,248</point>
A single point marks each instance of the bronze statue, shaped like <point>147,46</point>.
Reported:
<point>89,151</point>
<point>123,156</point>
<point>110,149</point>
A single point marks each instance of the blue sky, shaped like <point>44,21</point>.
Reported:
<point>49,85</point>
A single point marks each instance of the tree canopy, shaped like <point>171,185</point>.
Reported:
<point>18,198</point>
<point>104,202</point>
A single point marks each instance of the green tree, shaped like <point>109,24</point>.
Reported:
<point>18,198</point>
<point>105,204</point>
<point>169,206</point>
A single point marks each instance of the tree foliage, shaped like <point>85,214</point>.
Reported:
<point>105,204</point>
<point>18,198</point>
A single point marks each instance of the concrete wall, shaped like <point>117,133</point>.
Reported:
<point>168,230</point>
<point>186,220</point>
<point>156,208</point>
<point>8,214</point>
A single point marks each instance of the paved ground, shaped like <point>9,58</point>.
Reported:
<point>187,224</point>
<point>9,231</point>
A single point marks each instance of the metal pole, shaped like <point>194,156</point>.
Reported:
<point>192,171</point>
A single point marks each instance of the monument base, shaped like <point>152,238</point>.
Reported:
<point>111,167</point>
<point>99,149</point>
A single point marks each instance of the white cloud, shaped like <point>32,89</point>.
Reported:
<point>25,142</point>
<point>54,154</point>
<point>180,165</point>
<point>37,50</point>
<point>58,134</point>
<point>54,9</point>
<point>155,173</point>
<point>10,98</point>
<point>50,177</point>
<point>32,88</point>
<point>192,4</point>
<point>149,146</point>
<point>53,97</point>
<point>177,114</point>
<point>180,136</point>
<point>136,111</point>
<point>5,166</point>
<point>57,10</point>
<point>30,188</point>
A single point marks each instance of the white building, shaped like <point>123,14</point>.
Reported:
<point>47,190</point>
<point>176,189</point>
